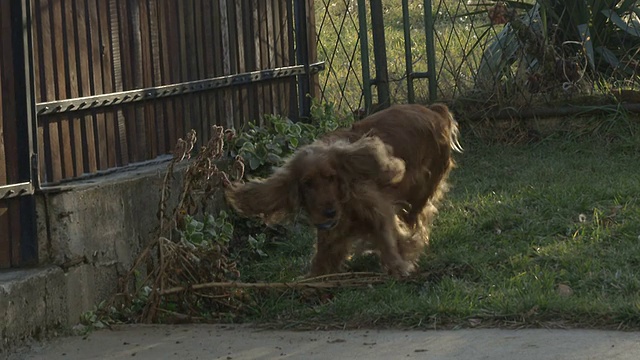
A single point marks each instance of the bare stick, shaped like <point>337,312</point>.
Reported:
<point>280,285</point>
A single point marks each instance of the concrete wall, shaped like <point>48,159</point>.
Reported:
<point>89,234</point>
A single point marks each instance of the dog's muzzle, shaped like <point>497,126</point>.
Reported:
<point>327,225</point>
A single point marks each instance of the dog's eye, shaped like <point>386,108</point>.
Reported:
<point>308,183</point>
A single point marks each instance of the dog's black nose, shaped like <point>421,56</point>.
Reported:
<point>330,213</point>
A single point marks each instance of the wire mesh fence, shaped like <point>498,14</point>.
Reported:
<point>489,55</point>
<point>338,44</point>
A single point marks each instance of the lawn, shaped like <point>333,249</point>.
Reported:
<point>544,232</point>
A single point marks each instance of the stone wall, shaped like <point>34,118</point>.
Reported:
<point>89,234</point>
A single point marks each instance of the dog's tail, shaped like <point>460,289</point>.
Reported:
<point>452,126</point>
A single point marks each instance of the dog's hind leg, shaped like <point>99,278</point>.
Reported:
<point>390,255</point>
<point>386,238</point>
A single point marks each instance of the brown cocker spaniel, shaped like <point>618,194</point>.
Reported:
<point>373,186</point>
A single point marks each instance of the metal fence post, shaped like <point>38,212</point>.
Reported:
<point>407,50</point>
<point>431,50</point>
<point>380,53</point>
<point>26,125</point>
<point>364,55</point>
<point>302,54</point>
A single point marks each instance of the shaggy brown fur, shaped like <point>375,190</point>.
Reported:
<point>353,182</point>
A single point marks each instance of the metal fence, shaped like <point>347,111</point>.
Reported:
<point>89,86</point>
<point>480,56</point>
<point>18,245</point>
<point>118,81</point>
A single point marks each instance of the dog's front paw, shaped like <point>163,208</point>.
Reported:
<point>401,269</point>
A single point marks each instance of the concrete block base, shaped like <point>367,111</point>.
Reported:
<point>89,234</point>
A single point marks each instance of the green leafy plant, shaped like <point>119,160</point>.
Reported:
<point>221,230</point>
<point>94,319</point>
<point>609,30</point>
<point>266,146</point>
<point>325,117</point>
<point>257,242</point>
<point>263,147</point>
<point>209,231</point>
<point>556,42</point>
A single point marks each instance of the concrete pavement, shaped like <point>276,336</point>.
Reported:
<point>233,342</point>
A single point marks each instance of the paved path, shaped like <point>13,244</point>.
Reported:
<point>243,342</point>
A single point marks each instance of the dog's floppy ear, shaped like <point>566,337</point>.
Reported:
<point>369,159</point>
<point>448,128</point>
<point>272,199</point>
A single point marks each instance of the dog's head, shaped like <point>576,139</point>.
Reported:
<point>320,186</point>
<point>320,179</point>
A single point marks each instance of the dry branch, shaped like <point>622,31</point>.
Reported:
<point>168,262</point>
<point>373,278</point>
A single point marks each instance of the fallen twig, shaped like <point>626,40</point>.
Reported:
<point>341,275</point>
<point>327,284</point>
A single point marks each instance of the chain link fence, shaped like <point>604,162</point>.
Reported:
<point>489,55</point>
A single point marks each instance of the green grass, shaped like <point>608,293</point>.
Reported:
<point>520,221</point>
